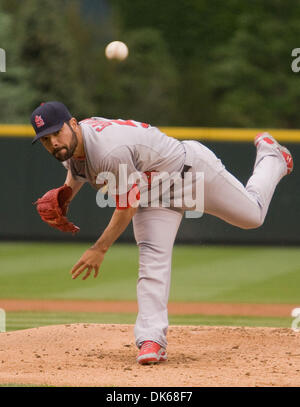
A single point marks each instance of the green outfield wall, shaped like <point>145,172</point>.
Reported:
<point>28,171</point>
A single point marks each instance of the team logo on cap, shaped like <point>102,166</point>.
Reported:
<point>39,121</point>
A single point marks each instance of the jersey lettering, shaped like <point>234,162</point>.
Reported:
<point>124,122</point>
<point>100,124</point>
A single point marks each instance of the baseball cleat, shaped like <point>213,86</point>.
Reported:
<point>267,138</point>
<point>151,352</point>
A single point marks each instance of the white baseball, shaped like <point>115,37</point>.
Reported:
<point>116,50</point>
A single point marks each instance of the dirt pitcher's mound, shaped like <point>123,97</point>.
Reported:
<point>104,355</point>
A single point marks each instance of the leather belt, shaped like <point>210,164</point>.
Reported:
<point>188,160</point>
<point>185,169</point>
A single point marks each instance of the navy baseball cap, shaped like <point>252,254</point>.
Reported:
<point>48,118</point>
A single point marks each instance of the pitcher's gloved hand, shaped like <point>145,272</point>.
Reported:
<point>53,206</point>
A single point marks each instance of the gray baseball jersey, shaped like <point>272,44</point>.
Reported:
<point>111,143</point>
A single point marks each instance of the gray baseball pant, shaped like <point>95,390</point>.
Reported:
<point>155,229</point>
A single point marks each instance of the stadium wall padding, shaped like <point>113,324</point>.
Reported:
<point>28,171</point>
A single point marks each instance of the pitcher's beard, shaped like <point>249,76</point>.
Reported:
<point>64,153</point>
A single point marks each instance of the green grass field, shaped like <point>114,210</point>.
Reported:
<point>200,273</point>
<point>26,319</point>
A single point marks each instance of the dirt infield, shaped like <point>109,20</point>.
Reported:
<point>104,355</point>
<point>271,310</point>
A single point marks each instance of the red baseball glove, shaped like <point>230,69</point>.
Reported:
<point>53,206</point>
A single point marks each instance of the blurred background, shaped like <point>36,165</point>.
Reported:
<point>201,65</point>
<point>192,62</point>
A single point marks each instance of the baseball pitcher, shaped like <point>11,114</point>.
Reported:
<point>99,150</point>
